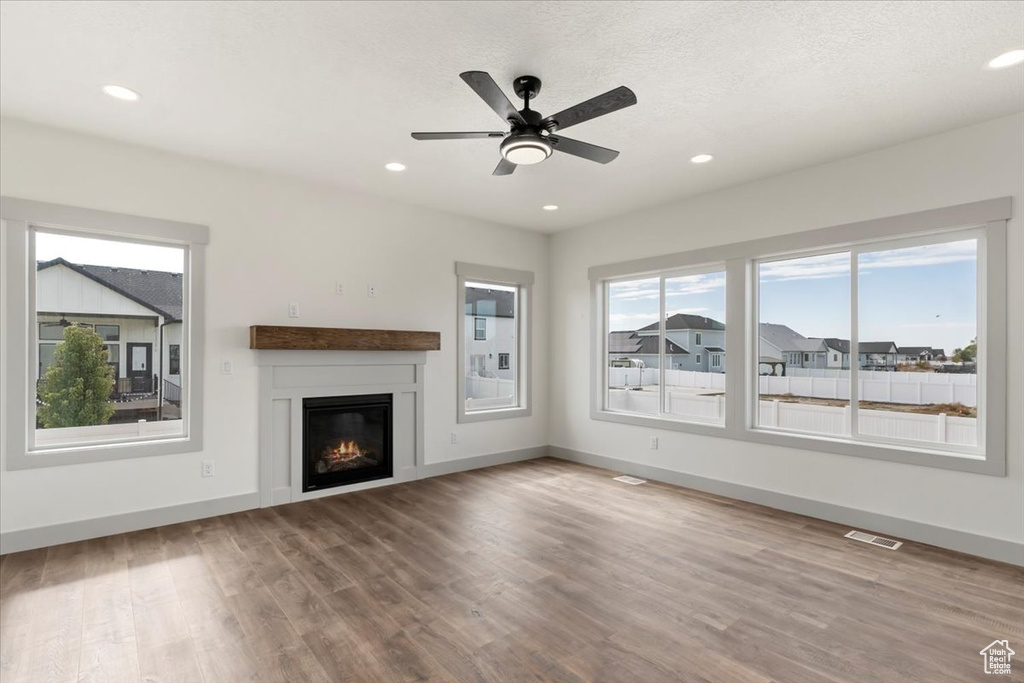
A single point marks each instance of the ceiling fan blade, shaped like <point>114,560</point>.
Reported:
<point>504,167</point>
<point>484,86</point>
<point>584,150</point>
<point>457,136</point>
<point>613,100</point>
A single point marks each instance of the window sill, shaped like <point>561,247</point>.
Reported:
<point>76,455</point>
<point>963,462</point>
<point>497,414</point>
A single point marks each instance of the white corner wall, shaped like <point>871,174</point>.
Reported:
<point>965,165</point>
<point>273,241</point>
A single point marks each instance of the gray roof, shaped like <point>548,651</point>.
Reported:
<point>787,339</point>
<point>157,290</point>
<point>620,343</point>
<point>836,344</point>
<point>876,347</point>
<point>686,321</point>
<point>714,349</point>
<point>915,350</point>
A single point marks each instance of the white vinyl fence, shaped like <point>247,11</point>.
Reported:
<point>484,393</point>
<point>913,388</point>
<point>809,418</point>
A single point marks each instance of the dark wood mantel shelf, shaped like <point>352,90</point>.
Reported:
<point>284,337</point>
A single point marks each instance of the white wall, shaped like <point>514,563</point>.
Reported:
<point>273,240</point>
<point>965,165</point>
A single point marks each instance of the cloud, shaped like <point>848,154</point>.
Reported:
<point>650,289</point>
<point>838,265</point>
<point>914,257</point>
<point>808,268</point>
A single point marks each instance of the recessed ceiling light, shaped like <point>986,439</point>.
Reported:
<point>395,166</point>
<point>550,207</point>
<point>701,158</point>
<point>1011,58</point>
<point>121,93</point>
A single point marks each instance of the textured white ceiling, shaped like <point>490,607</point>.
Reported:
<point>331,91</point>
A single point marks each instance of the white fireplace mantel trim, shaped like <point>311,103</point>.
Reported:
<point>269,360</point>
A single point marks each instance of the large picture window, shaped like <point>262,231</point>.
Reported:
<point>882,339</point>
<point>660,332</point>
<point>102,296</point>
<point>494,307</point>
<point>87,290</point>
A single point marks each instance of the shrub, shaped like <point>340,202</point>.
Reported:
<point>76,389</point>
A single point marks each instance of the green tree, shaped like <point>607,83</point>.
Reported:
<point>76,389</point>
<point>967,354</point>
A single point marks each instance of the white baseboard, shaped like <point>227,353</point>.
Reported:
<point>68,532</point>
<point>952,539</point>
<point>436,469</point>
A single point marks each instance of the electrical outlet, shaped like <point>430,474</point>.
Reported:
<point>339,288</point>
<point>654,443</point>
<point>207,468</point>
<point>227,367</point>
<point>455,437</point>
<point>371,290</point>
<point>293,310</point>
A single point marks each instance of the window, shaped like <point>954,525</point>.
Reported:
<point>792,314</point>
<point>494,342</point>
<point>99,281</point>
<point>109,332</point>
<point>174,360</point>
<point>822,316</point>
<point>651,369</point>
<point>697,341</point>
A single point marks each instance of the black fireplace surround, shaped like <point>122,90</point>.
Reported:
<point>345,440</point>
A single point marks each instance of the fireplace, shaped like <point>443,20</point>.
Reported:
<point>346,439</point>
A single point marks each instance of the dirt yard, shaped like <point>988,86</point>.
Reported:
<point>951,409</point>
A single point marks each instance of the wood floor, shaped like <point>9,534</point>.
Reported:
<point>539,571</point>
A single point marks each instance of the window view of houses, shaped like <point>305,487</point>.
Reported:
<point>916,355</point>
<point>491,342</point>
<point>109,318</point>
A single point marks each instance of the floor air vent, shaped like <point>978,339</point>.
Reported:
<point>626,479</point>
<point>874,540</point>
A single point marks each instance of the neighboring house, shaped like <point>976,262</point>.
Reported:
<point>628,345</point>
<point>938,354</point>
<point>491,332</point>
<point>136,312</point>
<point>779,343</point>
<point>914,354</point>
<point>692,342</point>
<point>700,340</point>
<point>877,355</point>
<point>838,353</point>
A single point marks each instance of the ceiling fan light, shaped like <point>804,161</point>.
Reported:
<point>523,150</point>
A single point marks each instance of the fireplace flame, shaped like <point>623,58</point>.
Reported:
<point>344,451</point>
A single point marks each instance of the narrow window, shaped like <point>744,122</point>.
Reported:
<point>494,343</point>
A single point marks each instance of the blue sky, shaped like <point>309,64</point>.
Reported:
<point>918,296</point>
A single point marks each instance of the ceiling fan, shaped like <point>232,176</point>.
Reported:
<point>531,138</point>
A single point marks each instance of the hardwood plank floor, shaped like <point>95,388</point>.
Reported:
<point>537,571</point>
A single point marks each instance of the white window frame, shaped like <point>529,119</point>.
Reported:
<point>19,219</point>
<point>987,218</point>
<point>524,333</point>
<point>661,276</point>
